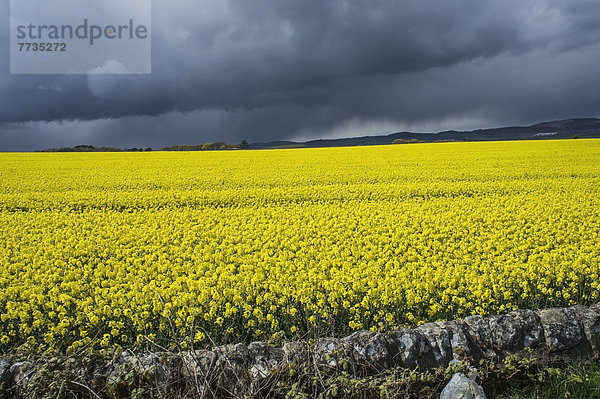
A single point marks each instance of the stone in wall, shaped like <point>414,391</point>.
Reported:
<point>6,378</point>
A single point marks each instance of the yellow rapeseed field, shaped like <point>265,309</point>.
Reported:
<point>105,250</point>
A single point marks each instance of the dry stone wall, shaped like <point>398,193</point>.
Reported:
<point>241,370</point>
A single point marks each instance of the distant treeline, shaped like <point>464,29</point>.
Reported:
<point>208,147</point>
<point>405,141</point>
<point>91,148</point>
<point>200,147</point>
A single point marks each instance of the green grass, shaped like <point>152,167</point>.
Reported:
<point>574,381</point>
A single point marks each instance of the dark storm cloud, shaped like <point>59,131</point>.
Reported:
<point>267,69</point>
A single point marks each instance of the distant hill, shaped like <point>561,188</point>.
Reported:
<point>568,128</point>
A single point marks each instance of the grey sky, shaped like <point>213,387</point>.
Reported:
<point>281,69</point>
